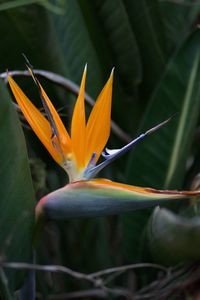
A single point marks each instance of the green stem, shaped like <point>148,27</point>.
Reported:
<point>28,290</point>
<point>4,289</point>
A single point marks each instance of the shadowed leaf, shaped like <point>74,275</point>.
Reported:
<point>16,191</point>
<point>166,152</point>
<point>172,238</point>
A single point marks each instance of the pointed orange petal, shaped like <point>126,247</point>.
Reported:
<point>78,125</point>
<point>37,121</point>
<point>63,134</point>
<point>98,125</point>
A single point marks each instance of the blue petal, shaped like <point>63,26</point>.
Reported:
<point>110,155</point>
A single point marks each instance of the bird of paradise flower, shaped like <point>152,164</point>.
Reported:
<point>77,153</point>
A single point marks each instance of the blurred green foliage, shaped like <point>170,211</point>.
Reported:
<point>154,46</point>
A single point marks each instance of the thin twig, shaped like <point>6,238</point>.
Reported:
<point>93,278</point>
<point>47,268</point>
<point>159,289</point>
<point>169,285</point>
<point>97,293</point>
<point>119,292</point>
<point>78,275</point>
<point>70,86</point>
<point>126,268</point>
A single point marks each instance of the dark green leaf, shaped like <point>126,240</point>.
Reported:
<point>78,48</point>
<point>16,191</point>
<point>160,161</point>
<point>29,30</point>
<point>148,26</point>
<point>166,151</point>
<point>179,18</point>
<point>172,238</point>
<point>121,41</point>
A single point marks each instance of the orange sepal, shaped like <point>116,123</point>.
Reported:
<point>98,125</point>
<point>63,134</point>
<point>78,125</point>
<point>36,120</point>
<point>106,184</point>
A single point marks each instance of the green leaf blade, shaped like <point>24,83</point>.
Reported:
<point>178,92</point>
<point>16,191</point>
<point>173,239</point>
<point>165,156</point>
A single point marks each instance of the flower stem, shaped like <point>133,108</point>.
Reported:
<point>4,288</point>
<point>28,289</point>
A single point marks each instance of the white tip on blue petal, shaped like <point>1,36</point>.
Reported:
<point>111,154</point>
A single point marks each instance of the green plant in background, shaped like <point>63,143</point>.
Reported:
<point>154,46</point>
